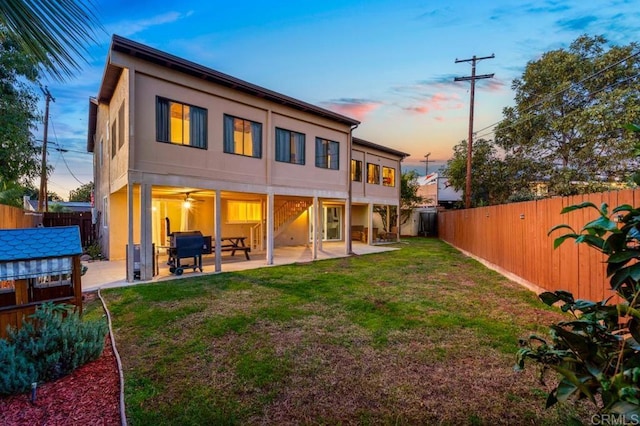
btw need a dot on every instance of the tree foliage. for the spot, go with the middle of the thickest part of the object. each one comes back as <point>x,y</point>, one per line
<point>82,193</point>
<point>18,105</point>
<point>53,35</point>
<point>597,352</point>
<point>571,105</point>
<point>409,198</point>
<point>492,179</point>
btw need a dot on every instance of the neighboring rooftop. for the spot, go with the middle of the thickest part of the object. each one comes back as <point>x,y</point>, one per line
<point>69,206</point>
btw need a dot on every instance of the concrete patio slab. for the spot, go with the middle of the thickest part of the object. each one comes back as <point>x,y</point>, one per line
<point>110,274</point>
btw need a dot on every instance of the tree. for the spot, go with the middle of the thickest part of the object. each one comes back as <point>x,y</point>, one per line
<point>492,179</point>
<point>52,34</point>
<point>18,104</point>
<point>82,193</point>
<point>409,200</point>
<point>570,108</point>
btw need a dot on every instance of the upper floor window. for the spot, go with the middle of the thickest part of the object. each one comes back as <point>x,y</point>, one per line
<point>290,146</point>
<point>114,140</point>
<point>356,170</point>
<point>242,137</point>
<point>373,173</point>
<point>327,154</point>
<point>180,123</point>
<point>388,176</point>
<point>121,126</point>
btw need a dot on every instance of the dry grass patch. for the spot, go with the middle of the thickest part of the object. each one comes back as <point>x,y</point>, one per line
<point>421,335</point>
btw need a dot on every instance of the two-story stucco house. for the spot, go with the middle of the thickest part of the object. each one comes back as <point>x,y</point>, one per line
<point>181,146</point>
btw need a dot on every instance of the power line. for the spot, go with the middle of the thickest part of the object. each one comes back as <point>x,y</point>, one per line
<point>472,78</point>
<point>42,197</point>
<point>62,156</point>
<point>559,92</point>
<point>571,102</point>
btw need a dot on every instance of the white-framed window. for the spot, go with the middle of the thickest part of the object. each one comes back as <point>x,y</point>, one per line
<point>242,137</point>
<point>181,124</point>
<point>327,154</point>
<point>290,146</point>
<point>51,281</point>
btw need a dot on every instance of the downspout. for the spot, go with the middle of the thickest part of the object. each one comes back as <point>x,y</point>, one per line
<point>348,219</point>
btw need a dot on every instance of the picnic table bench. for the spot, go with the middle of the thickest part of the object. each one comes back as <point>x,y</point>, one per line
<point>234,244</point>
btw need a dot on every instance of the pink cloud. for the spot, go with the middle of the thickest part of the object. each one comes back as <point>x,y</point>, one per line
<point>437,102</point>
<point>494,85</point>
<point>356,108</point>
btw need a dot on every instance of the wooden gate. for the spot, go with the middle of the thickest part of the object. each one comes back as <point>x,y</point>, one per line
<point>81,219</point>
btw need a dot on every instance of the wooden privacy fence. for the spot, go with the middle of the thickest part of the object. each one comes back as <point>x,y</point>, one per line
<point>81,219</point>
<point>14,218</point>
<point>514,238</point>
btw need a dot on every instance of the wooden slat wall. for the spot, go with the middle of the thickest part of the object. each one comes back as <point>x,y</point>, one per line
<point>514,238</point>
<point>15,218</point>
<point>81,219</point>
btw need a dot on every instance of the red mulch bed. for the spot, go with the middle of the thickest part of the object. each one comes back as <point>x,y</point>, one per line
<point>88,396</point>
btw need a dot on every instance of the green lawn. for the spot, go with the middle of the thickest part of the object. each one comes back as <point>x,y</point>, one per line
<point>420,335</point>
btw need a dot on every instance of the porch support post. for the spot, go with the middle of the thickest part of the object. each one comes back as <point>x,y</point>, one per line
<point>130,219</point>
<point>398,223</point>
<point>146,240</point>
<point>347,227</point>
<point>218,230</point>
<point>370,222</point>
<point>388,218</point>
<point>270,226</point>
<point>314,235</point>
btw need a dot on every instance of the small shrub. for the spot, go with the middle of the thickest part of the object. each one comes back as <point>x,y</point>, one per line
<point>94,251</point>
<point>53,344</point>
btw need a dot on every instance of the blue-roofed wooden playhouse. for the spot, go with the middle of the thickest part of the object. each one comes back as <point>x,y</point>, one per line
<point>38,265</point>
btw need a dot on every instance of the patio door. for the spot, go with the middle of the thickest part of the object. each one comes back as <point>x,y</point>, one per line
<point>331,223</point>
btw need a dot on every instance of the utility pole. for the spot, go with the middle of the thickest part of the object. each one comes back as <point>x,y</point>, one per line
<point>473,77</point>
<point>43,204</point>
<point>426,161</point>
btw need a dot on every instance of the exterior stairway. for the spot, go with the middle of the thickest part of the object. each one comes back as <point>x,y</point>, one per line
<point>287,213</point>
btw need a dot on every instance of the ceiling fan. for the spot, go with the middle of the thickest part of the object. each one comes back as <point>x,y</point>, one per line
<point>189,200</point>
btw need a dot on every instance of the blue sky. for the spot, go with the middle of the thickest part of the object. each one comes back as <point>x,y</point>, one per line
<point>389,64</point>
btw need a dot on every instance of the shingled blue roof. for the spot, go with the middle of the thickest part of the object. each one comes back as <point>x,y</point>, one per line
<point>39,243</point>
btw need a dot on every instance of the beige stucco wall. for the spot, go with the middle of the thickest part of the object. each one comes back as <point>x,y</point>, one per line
<point>143,160</point>
<point>375,193</point>
<point>159,158</point>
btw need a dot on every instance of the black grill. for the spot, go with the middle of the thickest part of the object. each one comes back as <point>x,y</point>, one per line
<point>183,245</point>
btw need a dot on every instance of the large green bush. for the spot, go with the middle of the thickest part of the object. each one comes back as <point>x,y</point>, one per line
<point>597,351</point>
<point>52,344</point>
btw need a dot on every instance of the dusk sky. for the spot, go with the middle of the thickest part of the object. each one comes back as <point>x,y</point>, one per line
<point>389,64</point>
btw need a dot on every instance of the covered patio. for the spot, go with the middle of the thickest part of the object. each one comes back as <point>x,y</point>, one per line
<point>108,274</point>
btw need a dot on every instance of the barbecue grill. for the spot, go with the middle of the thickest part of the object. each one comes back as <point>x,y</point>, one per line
<point>184,245</point>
